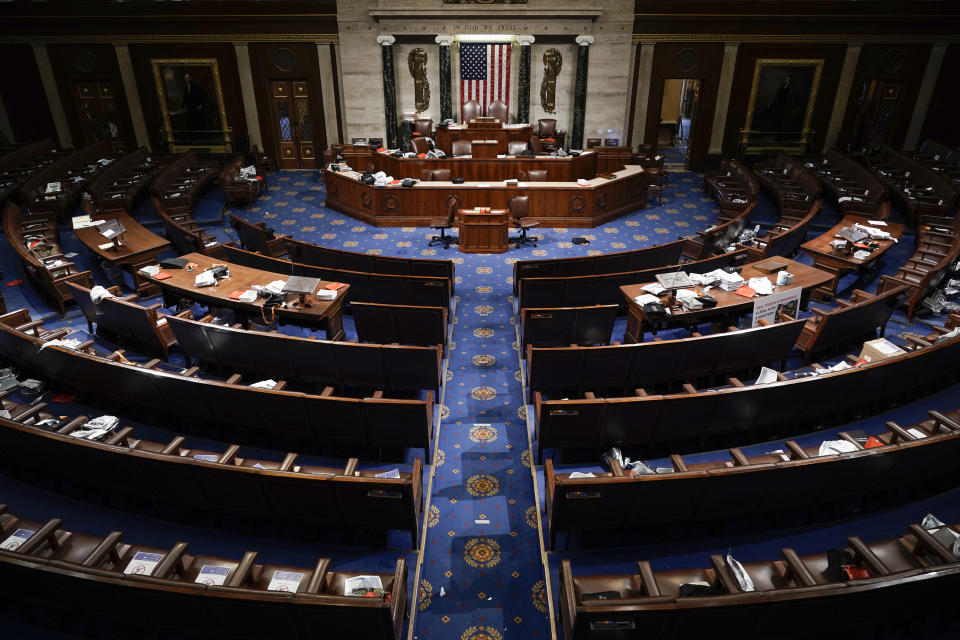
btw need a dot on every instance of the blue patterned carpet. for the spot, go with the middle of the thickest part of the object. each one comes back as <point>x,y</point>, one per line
<point>483,572</point>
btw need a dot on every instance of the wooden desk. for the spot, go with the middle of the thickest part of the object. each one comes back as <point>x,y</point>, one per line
<point>484,149</point>
<point>483,232</point>
<point>446,136</point>
<point>180,284</point>
<point>140,248</point>
<point>552,204</point>
<point>839,262</point>
<point>730,306</point>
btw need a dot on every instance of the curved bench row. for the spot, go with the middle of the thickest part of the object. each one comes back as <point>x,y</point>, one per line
<point>243,412</point>
<point>159,588</point>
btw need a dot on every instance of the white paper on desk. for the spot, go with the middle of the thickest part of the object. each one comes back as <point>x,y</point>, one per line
<point>150,270</point>
<point>877,223</point>
<point>143,563</point>
<point>105,245</point>
<point>205,279</point>
<point>264,384</point>
<point>393,473</point>
<point>206,457</point>
<point>285,581</point>
<point>840,366</point>
<point>831,447</point>
<point>767,375</point>
<point>861,255</point>
<point>654,287</point>
<point>248,296</point>
<point>646,299</point>
<point>762,286</point>
<point>326,294</point>
<point>916,433</point>
<point>688,298</point>
<point>361,582</point>
<point>577,475</point>
<point>211,574</point>
<point>81,222</point>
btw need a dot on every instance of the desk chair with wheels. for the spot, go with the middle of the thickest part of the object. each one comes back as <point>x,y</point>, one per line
<point>419,145</point>
<point>519,210</point>
<point>442,224</point>
<point>516,147</point>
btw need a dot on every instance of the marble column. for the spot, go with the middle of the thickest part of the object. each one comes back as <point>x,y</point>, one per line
<point>389,90</point>
<point>575,141</point>
<point>523,81</point>
<point>843,95</point>
<point>250,112</point>
<point>327,93</point>
<point>644,74</point>
<point>927,87</point>
<point>133,95</point>
<point>53,95</point>
<point>723,97</point>
<point>5,127</point>
<point>446,96</point>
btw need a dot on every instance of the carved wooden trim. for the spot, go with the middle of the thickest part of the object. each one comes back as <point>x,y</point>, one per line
<point>366,199</point>
<point>577,204</point>
<point>602,201</point>
<point>391,202</point>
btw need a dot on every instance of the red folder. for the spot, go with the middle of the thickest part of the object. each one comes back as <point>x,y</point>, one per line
<point>745,291</point>
<point>236,294</point>
<point>873,442</point>
<point>333,286</point>
<point>163,275</point>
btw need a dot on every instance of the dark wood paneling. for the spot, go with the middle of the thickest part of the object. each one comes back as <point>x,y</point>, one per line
<point>105,69</point>
<point>870,67</point>
<point>942,123</point>
<point>225,55</point>
<point>833,17</point>
<point>136,19</point>
<point>707,69</point>
<point>23,95</point>
<point>747,56</point>
<point>306,67</point>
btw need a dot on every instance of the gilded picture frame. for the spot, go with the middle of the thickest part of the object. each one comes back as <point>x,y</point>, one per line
<point>783,95</point>
<point>191,104</point>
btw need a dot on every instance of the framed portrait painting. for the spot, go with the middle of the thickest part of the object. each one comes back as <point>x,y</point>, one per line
<point>783,95</point>
<point>191,103</point>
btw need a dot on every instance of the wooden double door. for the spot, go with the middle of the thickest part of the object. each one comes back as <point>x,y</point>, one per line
<point>293,126</point>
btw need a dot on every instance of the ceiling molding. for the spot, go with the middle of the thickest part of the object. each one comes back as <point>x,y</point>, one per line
<point>178,38</point>
<point>773,37</point>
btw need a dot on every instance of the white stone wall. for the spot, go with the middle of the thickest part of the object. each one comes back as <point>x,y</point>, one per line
<point>608,81</point>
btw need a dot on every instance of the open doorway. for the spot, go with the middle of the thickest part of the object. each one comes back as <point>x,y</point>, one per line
<point>678,120</point>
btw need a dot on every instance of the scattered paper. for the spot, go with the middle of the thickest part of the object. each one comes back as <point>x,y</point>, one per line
<point>916,433</point>
<point>264,384</point>
<point>577,474</point>
<point>831,447</point>
<point>646,299</point>
<point>767,375</point>
<point>877,223</point>
<point>393,473</point>
<point>762,286</point>
<point>206,457</point>
<point>654,287</point>
<point>350,585</point>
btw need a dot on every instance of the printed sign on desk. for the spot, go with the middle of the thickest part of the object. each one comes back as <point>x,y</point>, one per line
<point>769,307</point>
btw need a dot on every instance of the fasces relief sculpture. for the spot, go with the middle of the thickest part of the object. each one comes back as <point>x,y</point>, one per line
<point>417,61</point>
<point>552,62</point>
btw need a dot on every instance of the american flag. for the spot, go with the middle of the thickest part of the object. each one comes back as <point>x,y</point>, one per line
<point>484,73</point>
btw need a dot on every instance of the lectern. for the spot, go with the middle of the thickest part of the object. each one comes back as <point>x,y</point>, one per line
<point>483,230</point>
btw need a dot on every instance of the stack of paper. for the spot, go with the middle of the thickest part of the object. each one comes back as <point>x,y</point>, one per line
<point>730,281</point>
<point>646,299</point>
<point>654,287</point>
<point>688,298</point>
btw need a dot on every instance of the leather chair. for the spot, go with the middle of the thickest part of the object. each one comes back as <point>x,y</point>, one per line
<point>536,146</point>
<point>442,224</point>
<point>461,148</point>
<point>549,135</point>
<point>419,144</point>
<point>520,209</point>
<point>534,175</point>
<point>593,142</point>
<point>423,126</point>
<point>516,147</point>
<point>435,175</point>
<point>498,110</point>
<point>470,110</point>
